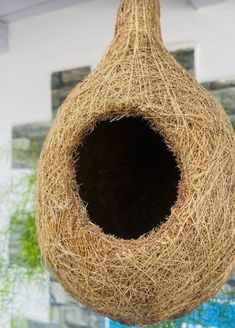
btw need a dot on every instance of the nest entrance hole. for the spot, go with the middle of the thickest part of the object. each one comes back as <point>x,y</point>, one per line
<point>127,176</point>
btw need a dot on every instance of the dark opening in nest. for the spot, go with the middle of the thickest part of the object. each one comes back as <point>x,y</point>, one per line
<point>128,177</point>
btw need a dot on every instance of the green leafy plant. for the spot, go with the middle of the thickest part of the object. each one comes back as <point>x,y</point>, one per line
<point>19,323</point>
<point>24,249</point>
<point>22,264</point>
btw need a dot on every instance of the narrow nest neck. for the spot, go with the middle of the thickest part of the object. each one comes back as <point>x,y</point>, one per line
<point>127,176</point>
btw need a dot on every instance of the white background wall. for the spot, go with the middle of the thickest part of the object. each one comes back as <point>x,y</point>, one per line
<point>78,36</point>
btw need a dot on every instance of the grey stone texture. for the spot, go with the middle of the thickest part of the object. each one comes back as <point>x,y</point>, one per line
<point>21,323</point>
<point>186,57</point>
<point>224,92</point>
<point>231,281</point>
<point>69,313</point>
<point>27,142</point>
<point>63,82</point>
<point>74,76</point>
<point>37,324</point>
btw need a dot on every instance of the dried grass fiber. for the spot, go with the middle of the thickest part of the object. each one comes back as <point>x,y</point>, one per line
<point>185,261</point>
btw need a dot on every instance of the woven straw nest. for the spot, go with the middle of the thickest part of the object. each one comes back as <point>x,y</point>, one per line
<point>181,261</point>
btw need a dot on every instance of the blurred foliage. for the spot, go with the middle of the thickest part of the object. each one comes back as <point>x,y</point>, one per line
<point>18,323</point>
<point>22,264</point>
<point>23,232</point>
<point>27,157</point>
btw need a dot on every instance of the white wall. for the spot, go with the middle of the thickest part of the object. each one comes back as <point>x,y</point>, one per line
<point>79,35</point>
<point>211,29</point>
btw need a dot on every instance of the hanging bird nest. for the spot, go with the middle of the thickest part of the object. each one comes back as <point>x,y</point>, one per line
<point>135,195</point>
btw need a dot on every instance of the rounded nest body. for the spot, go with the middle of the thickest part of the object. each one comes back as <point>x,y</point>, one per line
<point>175,267</point>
